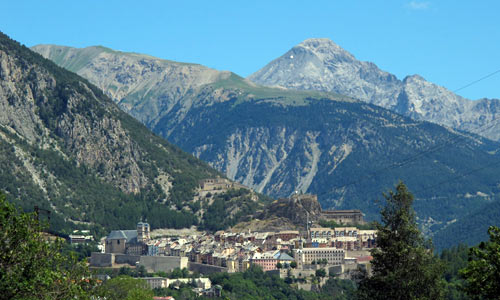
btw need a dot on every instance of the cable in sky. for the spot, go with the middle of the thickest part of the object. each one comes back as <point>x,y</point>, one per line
<point>474,82</point>
<point>438,147</point>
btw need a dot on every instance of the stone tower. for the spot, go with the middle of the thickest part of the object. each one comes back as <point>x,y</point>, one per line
<point>143,232</point>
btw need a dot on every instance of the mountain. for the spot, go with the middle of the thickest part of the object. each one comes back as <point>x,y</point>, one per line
<point>279,141</point>
<point>322,65</point>
<point>68,148</point>
<point>129,78</point>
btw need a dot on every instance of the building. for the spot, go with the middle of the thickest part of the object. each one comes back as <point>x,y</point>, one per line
<point>128,241</point>
<point>201,282</point>
<point>118,241</point>
<point>287,235</point>
<point>80,239</point>
<point>321,233</point>
<point>268,260</point>
<point>213,184</point>
<point>352,216</point>
<point>367,238</point>
<point>153,248</point>
<point>346,242</point>
<point>346,231</point>
<point>155,282</point>
<point>160,282</point>
<point>306,256</point>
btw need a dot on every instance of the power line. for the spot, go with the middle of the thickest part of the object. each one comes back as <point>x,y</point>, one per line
<point>458,177</point>
<point>449,141</point>
<point>476,81</point>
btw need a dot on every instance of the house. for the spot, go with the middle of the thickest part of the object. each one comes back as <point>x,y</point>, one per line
<point>80,239</point>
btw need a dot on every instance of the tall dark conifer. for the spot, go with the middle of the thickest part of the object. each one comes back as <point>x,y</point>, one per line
<point>403,265</point>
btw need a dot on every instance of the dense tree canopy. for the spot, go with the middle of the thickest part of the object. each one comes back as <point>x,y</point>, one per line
<point>125,287</point>
<point>482,274</point>
<point>403,265</point>
<point>31,267</point>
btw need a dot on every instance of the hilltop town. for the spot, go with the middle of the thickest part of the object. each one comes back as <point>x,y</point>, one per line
<point>295,254</point>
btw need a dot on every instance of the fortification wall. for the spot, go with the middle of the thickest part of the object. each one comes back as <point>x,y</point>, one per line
<point>126,259</point>
<point>98,259</point>
<point>205,269</point>
<point>163,263</point>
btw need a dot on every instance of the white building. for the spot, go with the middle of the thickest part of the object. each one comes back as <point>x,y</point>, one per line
<point>160,282</point>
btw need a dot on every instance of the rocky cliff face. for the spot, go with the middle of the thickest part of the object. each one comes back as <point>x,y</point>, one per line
<point>96,139</point>
<point>320,64</point>
<point>298,209</point>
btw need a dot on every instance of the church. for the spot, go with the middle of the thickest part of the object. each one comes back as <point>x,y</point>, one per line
<point>131,242</point>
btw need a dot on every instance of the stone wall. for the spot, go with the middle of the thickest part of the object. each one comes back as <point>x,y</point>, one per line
<point>126,259</point>
<point>163,263</point>
<point>205,269</point>
<point>98,259</point>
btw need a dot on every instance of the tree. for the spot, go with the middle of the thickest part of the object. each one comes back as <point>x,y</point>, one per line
<point>293,264</point>
<point>32,267</point>
<point>320,273</point>
<point>482,274</point>
<point>125,287</point>
<point>279,265</point>
<point>141,271</point>
<point>339,289</point>
<point>403,265</point>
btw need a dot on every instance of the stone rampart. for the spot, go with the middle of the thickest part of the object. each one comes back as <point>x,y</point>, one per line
<point>205,269</point>
<point>163,263</point>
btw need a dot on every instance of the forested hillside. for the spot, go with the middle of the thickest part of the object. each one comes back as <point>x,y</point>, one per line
<point>67,148</point>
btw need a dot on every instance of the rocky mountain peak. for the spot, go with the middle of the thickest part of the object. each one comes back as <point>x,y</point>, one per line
<point>326,49</point>
<point>320,64</point>
<point>414,79</point>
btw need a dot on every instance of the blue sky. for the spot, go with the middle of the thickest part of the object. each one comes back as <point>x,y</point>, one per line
<point>451,43</point>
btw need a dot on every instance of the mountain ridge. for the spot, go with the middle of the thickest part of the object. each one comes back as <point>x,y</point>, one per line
<point>320,64</point>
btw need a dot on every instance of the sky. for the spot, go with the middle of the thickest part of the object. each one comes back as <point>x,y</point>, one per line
<point>451,43</point>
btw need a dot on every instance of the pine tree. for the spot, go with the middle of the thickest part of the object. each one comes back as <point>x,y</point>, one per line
<point>482,274</point>
<point>403,265</point>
